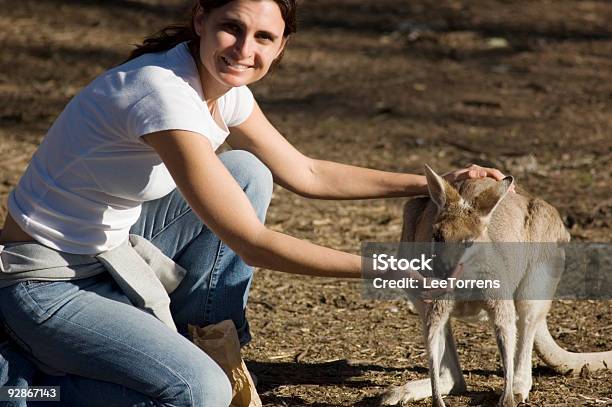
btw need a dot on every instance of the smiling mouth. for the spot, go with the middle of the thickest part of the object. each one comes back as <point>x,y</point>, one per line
<point>235,65</point>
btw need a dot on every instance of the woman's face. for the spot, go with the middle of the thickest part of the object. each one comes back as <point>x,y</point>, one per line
<point>239,41</point>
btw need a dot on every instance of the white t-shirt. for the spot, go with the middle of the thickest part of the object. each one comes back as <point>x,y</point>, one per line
<point>84,187</point>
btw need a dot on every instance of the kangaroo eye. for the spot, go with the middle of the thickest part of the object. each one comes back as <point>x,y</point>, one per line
<point>437,236</point>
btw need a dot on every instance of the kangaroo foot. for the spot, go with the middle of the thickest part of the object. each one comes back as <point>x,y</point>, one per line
<point>417,390</point>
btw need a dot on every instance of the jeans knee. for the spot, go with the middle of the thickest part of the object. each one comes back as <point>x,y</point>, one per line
<point>252,175</point>
<point>202,385</point>
<point>215,391</point>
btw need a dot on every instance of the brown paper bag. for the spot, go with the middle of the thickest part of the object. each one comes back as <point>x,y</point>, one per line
<point>220,342</point>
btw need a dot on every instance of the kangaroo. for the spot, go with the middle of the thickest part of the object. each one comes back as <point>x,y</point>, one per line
<point>484,211</point>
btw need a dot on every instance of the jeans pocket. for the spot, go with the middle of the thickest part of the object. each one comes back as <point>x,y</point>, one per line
<point>34,284</point>
<point>45,297</point>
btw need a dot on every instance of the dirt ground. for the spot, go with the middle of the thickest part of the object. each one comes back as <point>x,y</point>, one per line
<point>523,85</point>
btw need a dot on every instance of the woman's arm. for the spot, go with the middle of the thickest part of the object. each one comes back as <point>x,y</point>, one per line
<point>211,191</point>
<point>317,178</point>
<point>325,179</point>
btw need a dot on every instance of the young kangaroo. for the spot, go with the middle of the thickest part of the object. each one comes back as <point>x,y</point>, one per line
<point>485,211</point>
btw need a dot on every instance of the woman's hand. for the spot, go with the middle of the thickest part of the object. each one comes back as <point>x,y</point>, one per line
<point>473,171</point>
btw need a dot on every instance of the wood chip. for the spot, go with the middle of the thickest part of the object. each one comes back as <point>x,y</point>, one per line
<point>300,356</point>
<point>281,356</point>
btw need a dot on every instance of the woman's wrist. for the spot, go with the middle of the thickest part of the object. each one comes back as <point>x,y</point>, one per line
<point>417,186</point>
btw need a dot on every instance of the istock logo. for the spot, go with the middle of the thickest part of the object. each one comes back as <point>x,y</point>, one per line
<point>385,262</point>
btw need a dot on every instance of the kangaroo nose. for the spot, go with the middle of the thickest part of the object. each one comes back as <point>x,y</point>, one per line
<point>437,237</point>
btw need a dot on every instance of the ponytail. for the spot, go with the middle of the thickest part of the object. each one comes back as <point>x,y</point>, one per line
<point>167,38</point>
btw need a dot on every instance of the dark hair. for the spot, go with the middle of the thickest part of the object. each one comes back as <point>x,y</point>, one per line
<point>171,35</point>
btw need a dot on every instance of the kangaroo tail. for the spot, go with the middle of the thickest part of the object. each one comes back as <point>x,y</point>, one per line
<point>564,361</point>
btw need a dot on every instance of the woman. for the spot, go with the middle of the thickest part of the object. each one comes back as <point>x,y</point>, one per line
<point>134,152</point>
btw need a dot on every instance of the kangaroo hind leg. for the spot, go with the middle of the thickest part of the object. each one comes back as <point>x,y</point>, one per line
<point>451,379</point>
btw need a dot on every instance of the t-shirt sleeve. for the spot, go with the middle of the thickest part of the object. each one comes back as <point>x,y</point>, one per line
<point>238,106</point>
<point>169,108</point>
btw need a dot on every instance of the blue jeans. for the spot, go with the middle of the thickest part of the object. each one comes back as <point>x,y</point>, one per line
<point>115,354</point>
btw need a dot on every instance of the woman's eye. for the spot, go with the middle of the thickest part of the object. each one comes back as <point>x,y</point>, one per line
<point>232,28</point>
<point>264,37</point>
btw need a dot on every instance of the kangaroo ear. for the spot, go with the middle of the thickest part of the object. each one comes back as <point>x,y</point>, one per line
<point>487,200</point>
<point>436,186</point>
